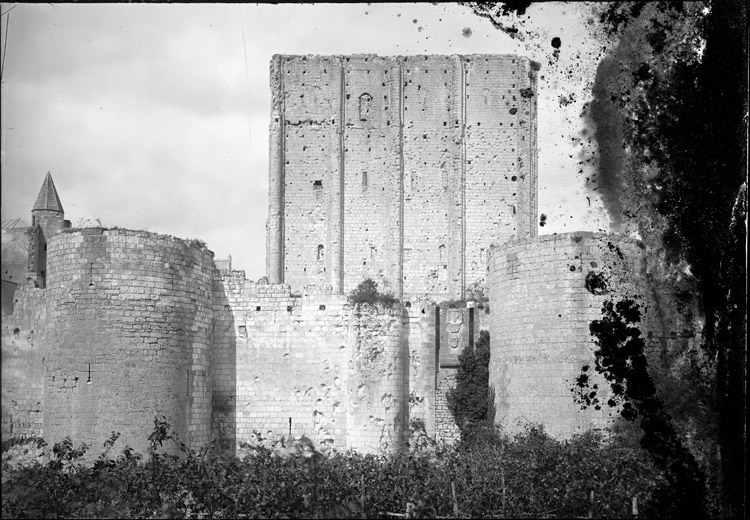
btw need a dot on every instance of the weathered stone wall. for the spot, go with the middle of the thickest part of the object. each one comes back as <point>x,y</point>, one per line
<point>400,169</point>
<point>371,175</point>
<point>23,334</point>
<point>420,335</point>
<point>377,400</point>
<point>336,372</point>
<point>280,357</point>
<point>446,428</point>
<point>541,310</point>
<point>129,332</point>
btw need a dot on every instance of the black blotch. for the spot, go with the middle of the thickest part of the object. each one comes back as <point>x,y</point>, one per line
<point>596,284</point>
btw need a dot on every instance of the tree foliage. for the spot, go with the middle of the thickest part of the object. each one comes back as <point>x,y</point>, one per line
<point>367,293</point>
<point>469,401</point>
<point>676,83</point>
<point>667,125</point>
<point>620,358</point>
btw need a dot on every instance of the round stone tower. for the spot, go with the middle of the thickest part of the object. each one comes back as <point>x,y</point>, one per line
<point>130,322</point>
<point>544,293</point>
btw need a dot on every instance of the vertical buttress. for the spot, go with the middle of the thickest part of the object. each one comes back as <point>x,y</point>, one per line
<point>336,224</point>
<point>275,231</point>
<point>399,285</point>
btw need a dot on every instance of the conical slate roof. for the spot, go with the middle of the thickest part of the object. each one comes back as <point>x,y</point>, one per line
<point>48,198</point>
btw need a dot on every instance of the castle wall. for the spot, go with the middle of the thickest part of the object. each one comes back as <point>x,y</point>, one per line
<point>377,404</point>
<point>371,172</point>
<point>539,324</point>
<point>289,362</point>
<point>399,169</point>
<point>433,166</point>
<point>500,136</point>
<point>23,334</point>
<point>129,331</point>
<point>310,365</point>
<point>420,334</point>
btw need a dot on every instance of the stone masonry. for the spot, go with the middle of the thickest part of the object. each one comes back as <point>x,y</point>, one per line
<point>553,294</point>
<point>418,172</point>
<point>400,169</point>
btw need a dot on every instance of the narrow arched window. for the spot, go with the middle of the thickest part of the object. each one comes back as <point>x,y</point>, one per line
<point>364,181</point>
<point>441,251</point>
<point>321,252</point>
<point>365,105</point>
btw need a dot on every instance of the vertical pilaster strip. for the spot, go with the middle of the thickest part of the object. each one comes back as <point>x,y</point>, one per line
<point>275,224</point>
<point>336,194</point>
<point>462,277</point>
<point>457,187</point>
<point>533,159</point>
<point>399,285</point>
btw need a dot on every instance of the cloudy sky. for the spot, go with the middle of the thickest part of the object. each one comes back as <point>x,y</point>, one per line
<point>156,117</point>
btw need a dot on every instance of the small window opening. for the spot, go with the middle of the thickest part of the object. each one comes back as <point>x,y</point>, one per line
<point>317,184</point>
<point>321,252</point>
<point>365,105</point>
<point>364,181</point>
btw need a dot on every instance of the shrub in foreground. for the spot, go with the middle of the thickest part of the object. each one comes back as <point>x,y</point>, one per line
<point>489,474</point>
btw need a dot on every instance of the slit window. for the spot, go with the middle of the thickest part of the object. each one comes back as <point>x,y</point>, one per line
<point>321,252</point>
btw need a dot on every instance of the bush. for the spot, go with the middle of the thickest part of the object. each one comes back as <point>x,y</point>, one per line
<point>529,475</point>
<point>367,293</point>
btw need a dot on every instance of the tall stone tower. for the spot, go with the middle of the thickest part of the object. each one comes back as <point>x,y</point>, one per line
<point>47,219</point>
<point>400,169</point>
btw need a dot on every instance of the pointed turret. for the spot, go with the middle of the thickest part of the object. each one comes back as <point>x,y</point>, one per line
<point>48,199</point>
<point>47,219</point>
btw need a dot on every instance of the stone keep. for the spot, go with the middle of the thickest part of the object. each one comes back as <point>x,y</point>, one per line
<point>418,172</point>
<point>400,169</point>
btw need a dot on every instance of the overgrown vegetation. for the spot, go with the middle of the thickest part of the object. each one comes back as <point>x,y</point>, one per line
<point>620,358</point>
<point>469,401</point>
<point>529,475</point>
<point>367,293</point>
<point>666,133</point>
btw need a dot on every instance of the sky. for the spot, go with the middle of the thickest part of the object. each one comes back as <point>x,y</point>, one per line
<point>155,116</point>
